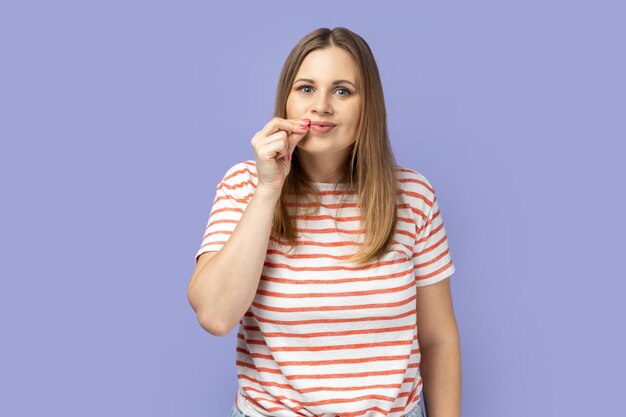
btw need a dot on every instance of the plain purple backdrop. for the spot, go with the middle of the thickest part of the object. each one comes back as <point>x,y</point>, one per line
<point>118,119</point>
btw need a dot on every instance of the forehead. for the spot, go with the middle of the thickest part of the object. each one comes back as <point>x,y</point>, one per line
<point>328,64</point>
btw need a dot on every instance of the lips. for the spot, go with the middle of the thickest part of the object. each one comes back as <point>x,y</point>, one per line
<point>321,123</point>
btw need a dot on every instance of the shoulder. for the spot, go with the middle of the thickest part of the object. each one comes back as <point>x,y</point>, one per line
<point>415,188</point>
<point>241,177</point>
<point>240,170</point>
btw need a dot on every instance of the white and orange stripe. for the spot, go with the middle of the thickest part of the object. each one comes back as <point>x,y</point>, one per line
<point>324,338</point>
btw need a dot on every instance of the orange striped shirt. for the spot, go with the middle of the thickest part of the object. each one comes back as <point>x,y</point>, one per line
<point>323,338</point>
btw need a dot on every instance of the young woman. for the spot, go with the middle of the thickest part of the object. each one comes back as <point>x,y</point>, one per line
<point>331,258</point>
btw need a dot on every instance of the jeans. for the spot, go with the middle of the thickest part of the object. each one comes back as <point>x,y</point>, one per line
<point>235,412</point>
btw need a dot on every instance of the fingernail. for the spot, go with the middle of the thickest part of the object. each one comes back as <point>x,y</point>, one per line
<point>304,126</point>
<point>288,157</point>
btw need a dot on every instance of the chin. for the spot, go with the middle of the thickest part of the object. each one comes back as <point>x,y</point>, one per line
<point>321,149</point>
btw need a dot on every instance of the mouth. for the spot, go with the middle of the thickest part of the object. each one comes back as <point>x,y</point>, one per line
<point>319,126</point>
<point>321,123</point>
<point>321,129</point>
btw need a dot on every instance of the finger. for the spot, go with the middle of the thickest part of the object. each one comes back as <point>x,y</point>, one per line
<point>280,135</point>
<point>275,149</point>
<point>288,125</point>
<point>281,139</point>
<point>293,140</point>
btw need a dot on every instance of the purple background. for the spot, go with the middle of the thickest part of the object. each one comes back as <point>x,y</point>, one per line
<point>118,119</point>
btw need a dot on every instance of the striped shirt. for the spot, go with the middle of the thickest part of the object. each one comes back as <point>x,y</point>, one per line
<point>323,338</point>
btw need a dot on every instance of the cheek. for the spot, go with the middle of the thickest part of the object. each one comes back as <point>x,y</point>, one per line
<point>292,106</point>
<point>355,120</point>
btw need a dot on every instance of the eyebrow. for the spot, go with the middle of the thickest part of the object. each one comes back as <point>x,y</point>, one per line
<point>308,80</point>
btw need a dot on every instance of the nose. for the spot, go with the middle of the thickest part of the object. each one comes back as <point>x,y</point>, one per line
<point>321,105</point>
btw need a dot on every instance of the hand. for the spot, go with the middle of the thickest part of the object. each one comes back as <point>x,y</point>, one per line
<point>273,146</point>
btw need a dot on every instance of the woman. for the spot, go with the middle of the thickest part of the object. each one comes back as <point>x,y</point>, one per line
<point>329,256</point>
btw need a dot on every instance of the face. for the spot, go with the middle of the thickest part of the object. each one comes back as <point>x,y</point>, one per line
<point>326,88</point>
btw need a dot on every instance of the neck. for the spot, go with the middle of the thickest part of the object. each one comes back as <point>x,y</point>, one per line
<point>322,168</point>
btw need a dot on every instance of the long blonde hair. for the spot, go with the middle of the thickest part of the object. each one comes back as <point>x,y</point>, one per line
<point>370,168</point>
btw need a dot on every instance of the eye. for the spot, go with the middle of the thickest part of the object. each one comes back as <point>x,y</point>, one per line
<point>347,92</point>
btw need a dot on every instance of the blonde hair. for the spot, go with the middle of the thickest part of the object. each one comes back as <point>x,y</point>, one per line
<point>370,167</point>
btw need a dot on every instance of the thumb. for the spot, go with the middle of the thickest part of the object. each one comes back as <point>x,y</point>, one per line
<point>293,140</point>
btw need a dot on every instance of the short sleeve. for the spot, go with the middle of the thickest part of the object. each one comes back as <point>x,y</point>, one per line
<point>231,199</point>
<point>432,261</point>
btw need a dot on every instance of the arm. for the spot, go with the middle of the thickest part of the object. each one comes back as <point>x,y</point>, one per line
<point>222,289</point>
<point>439,343</point>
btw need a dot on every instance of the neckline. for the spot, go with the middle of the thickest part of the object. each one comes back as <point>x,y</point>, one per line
<point>330,186</point>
